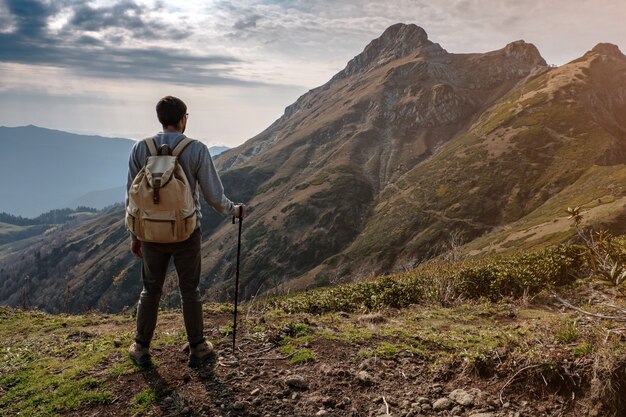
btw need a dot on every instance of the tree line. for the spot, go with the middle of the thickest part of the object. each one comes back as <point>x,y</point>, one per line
<point>56,216</point>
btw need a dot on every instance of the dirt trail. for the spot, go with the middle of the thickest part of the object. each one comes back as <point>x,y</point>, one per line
<point>259,381</point>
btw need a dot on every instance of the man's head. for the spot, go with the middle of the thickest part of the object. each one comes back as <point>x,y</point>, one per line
<point>172,113</point>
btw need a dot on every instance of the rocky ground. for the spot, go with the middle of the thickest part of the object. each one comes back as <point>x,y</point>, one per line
<point>476,360</point>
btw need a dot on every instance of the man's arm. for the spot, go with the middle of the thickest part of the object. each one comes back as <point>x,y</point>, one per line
<point>133,169</point>
<point>211,185</point>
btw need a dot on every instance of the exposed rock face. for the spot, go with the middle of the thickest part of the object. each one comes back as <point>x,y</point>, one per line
<point>396,42</point>
<point>608,49</point>
<point>524,52</point>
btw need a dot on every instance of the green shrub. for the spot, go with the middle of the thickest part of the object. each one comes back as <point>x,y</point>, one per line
<point>522,274</point>
<point>492,278</point>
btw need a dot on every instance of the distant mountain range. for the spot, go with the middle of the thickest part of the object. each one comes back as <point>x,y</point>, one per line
<point>61,170</point>
<point>408,150</point>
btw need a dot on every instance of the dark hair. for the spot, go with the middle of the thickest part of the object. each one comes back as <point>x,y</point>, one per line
<point>170,110</point>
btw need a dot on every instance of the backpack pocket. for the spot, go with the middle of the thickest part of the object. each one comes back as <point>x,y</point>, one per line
<point>132,221</point>
<point>159,226</point>
<point>188,222</point>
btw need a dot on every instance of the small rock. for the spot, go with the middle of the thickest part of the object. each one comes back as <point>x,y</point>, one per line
<point>364,378</point>
<point>457,410</point>
<point>296,381</point>
<point>328,402</point>
<point>366,364</point>
<point>342,373</point>
<point>295,396</point>
<point>423,400</point>
<point>186,411</point>
<point>168,400</point>
<point>442,404</point>
<point>238,405</point>
<point>257,401</point>
<point>325,369</point>
<point>482,415</point>
<point>462,397</point>
<point>321,412</point>
<point>255,391</point>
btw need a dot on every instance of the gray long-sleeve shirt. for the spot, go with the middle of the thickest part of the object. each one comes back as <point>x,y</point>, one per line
<point>198,166</point>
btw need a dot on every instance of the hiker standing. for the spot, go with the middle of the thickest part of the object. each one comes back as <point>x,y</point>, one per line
<point>166,173</point>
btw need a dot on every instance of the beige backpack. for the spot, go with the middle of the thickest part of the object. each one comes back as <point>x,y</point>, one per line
<point>160,207</point>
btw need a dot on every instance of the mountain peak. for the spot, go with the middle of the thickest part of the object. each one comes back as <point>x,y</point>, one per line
<point>524,51</point>
<point>396,41</point>
<point>402,34</point>
<point>608,49</point>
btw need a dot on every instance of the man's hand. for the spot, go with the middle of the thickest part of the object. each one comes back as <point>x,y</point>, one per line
<point>241,211</point>
<point>135,248</point>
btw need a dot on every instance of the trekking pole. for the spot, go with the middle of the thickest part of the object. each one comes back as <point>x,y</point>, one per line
<point>237,278</point>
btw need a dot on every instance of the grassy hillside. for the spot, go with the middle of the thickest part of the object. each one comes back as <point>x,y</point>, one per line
<point>473,337</point>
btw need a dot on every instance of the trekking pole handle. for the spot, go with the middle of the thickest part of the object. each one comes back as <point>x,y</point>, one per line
<point>240,216</point>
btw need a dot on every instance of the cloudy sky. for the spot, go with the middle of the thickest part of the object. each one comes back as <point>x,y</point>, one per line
<point>99,66</point>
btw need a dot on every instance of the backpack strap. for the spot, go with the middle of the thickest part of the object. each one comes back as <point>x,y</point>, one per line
<point>151,144</point>
<point>180,146</point>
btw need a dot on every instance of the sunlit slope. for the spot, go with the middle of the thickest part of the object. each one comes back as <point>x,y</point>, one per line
<point>557,140</point>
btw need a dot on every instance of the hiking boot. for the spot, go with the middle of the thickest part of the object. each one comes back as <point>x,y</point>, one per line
<point>200,354</point>
<point>140,355</point>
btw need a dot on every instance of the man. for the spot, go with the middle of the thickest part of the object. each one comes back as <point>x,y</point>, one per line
<point>198,167</point>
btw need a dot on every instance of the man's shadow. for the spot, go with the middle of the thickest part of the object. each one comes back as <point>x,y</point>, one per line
<point>168,400</point>
<point>219,392</point>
